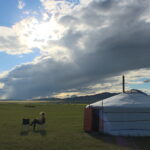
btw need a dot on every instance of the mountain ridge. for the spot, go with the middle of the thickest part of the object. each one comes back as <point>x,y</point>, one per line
<point>79,99</point>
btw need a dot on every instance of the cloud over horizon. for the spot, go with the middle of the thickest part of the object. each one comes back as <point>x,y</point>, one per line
<point>96,42</point>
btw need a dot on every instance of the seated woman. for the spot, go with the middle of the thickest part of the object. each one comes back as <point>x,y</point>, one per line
<point>41,120</point>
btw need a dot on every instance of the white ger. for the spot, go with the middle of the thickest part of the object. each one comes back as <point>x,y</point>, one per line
<point>126,114</point>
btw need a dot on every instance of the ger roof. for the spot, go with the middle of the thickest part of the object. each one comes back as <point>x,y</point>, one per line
<point>125,100</point>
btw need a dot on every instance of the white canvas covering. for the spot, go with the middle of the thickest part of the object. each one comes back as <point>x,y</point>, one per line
<point>125,114</point>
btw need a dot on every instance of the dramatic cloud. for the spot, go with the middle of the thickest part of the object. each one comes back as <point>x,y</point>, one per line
<point>98,41</point>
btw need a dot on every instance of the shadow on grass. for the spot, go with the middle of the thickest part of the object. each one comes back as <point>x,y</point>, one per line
<point>41,132</point>
<point>135,143</point>
<point>24,133</point>
<point>103,137</point>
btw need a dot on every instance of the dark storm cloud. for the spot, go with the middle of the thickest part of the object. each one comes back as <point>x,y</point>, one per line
<point>115,39</point>
<point>42,79</point>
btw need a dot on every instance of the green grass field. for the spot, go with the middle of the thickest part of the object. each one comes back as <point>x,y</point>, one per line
<point>63,130</point>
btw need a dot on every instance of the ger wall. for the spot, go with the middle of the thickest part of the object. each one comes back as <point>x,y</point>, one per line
<point>126,121</point>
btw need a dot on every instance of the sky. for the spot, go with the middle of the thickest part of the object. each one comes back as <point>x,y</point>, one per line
<point>64,48</point>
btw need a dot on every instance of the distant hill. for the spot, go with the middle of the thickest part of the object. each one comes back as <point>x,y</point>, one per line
<point>80,99</point>
<point>90,98</point>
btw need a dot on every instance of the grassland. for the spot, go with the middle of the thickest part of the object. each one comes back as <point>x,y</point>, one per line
<point>63,131</point>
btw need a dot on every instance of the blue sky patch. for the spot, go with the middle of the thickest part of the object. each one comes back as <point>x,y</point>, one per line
<point>7,61</point>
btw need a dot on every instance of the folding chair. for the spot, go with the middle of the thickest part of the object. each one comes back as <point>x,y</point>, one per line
<point>25,124</point>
